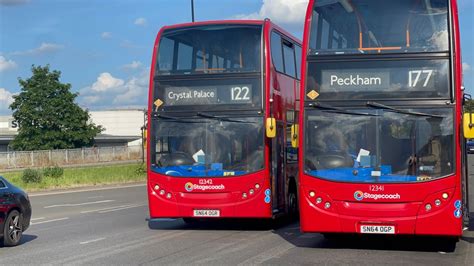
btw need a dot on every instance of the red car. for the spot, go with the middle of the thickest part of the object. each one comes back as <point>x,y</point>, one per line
<point>15,213</point>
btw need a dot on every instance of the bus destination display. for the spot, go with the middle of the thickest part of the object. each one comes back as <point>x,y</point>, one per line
<point>395,79</point>
<point>208,95</point>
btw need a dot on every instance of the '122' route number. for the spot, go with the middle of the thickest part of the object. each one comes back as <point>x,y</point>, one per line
<point>240,94</point>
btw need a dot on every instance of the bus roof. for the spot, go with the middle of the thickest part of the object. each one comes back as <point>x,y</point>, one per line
<point>230,22</point>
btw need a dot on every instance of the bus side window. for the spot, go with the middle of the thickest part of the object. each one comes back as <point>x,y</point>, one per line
<point>289,58</point>
<point>277,55</point>
<point>298,61</point>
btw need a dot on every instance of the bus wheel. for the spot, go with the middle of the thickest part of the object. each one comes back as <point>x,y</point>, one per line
<point>292,202</point>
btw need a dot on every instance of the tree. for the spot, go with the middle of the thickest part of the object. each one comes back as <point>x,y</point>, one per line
<point>47,115</point>
<point>469,106</point>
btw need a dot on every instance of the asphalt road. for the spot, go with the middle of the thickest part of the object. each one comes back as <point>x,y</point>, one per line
<point>107,226</point>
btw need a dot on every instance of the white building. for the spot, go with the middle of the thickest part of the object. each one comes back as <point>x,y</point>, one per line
<point>121,127</point>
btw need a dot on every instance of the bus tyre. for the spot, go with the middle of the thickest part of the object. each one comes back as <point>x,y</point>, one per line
<point>292,202</point>
<point>13,229</point>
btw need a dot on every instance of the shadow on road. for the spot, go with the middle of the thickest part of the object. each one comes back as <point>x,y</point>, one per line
<point>221,224</point>
<point>24,239</point>
<point>366,242</point>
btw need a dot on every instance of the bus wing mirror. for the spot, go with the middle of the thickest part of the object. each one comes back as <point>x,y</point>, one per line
<point>294,136</point>
<point>468,127</point>
<point>271,127</point>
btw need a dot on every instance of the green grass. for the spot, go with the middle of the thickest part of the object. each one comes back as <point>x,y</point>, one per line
<point>86,176</point>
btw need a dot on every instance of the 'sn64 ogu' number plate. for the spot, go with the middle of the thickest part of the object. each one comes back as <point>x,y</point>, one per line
<point>206,213</point>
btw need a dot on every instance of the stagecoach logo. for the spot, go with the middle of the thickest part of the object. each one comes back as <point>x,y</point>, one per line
<point>359,195</point>
<point>190,187</point>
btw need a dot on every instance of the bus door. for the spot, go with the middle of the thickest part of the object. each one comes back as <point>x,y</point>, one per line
<point>278,170</point>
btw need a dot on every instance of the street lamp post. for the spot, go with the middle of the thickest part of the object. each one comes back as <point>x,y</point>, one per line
<point>192,9</point>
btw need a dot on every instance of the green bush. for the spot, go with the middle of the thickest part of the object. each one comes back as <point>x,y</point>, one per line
<point>53,172</point>
<point>31,176</point>
<point>141,169</point>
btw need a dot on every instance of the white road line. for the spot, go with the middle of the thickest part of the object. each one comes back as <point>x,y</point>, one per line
<point>108,208</point>
<point>77,204</point>
<point>119,209</point>
<point>36,219</point>
<point>49,221</point>
<point>92,241</point>
<point>84,190</point>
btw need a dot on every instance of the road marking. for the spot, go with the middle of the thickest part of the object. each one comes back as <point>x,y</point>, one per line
<point>49,221</point>
<point>95,197</point>
<point>77,204</point>
<point>84,190</point>
<point>36,219</point>
<point>108,208</point>
<point>124,208</point>
<point>92,241</point>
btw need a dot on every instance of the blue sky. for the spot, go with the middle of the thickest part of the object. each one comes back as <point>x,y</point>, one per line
<point>103,47</point>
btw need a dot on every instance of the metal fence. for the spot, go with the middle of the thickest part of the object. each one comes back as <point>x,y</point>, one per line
<point>25,159</point>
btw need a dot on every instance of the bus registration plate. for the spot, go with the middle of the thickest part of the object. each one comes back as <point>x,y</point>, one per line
<point>207,213</point>
<point>377,229</point>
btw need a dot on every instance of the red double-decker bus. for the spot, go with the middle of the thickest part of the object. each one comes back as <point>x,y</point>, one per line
<point>222,103</point>
<point>382,150</point>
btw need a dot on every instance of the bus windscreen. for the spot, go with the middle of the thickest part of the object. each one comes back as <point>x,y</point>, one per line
<point>374,26</point>
<point>210,49</point>
<point>379,146</point>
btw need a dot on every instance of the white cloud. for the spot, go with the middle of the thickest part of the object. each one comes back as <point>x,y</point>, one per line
<point>106,82</point>
<point>13,2</point>
<point>42,49</point>
<point>140,22</point>
<point>6,98</point>
<point>6,64</point>
<point>132,66</point>
<point>110,92</point>
<point>106,35</point>
<point>466,67</point>
<point>290,13</point>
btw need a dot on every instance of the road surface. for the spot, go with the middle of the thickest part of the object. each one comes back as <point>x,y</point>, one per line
<point>107,226</point>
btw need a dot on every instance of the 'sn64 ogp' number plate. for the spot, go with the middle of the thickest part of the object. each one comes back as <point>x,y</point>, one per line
<point>377,229</point>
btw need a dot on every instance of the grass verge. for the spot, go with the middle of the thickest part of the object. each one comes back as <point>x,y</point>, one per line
<point>84,176</point>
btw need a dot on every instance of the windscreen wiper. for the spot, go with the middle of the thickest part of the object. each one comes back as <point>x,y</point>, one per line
<point>400,111</point>
<point>172,118</point>
<point>220,118</point>
<point>339,110</point>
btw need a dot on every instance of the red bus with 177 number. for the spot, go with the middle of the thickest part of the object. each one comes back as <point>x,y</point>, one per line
<point>381,119</point>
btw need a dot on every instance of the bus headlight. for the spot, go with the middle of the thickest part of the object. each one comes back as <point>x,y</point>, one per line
<point>157,187</point>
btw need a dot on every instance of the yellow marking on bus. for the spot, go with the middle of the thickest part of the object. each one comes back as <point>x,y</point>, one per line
<point>313,94</point>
